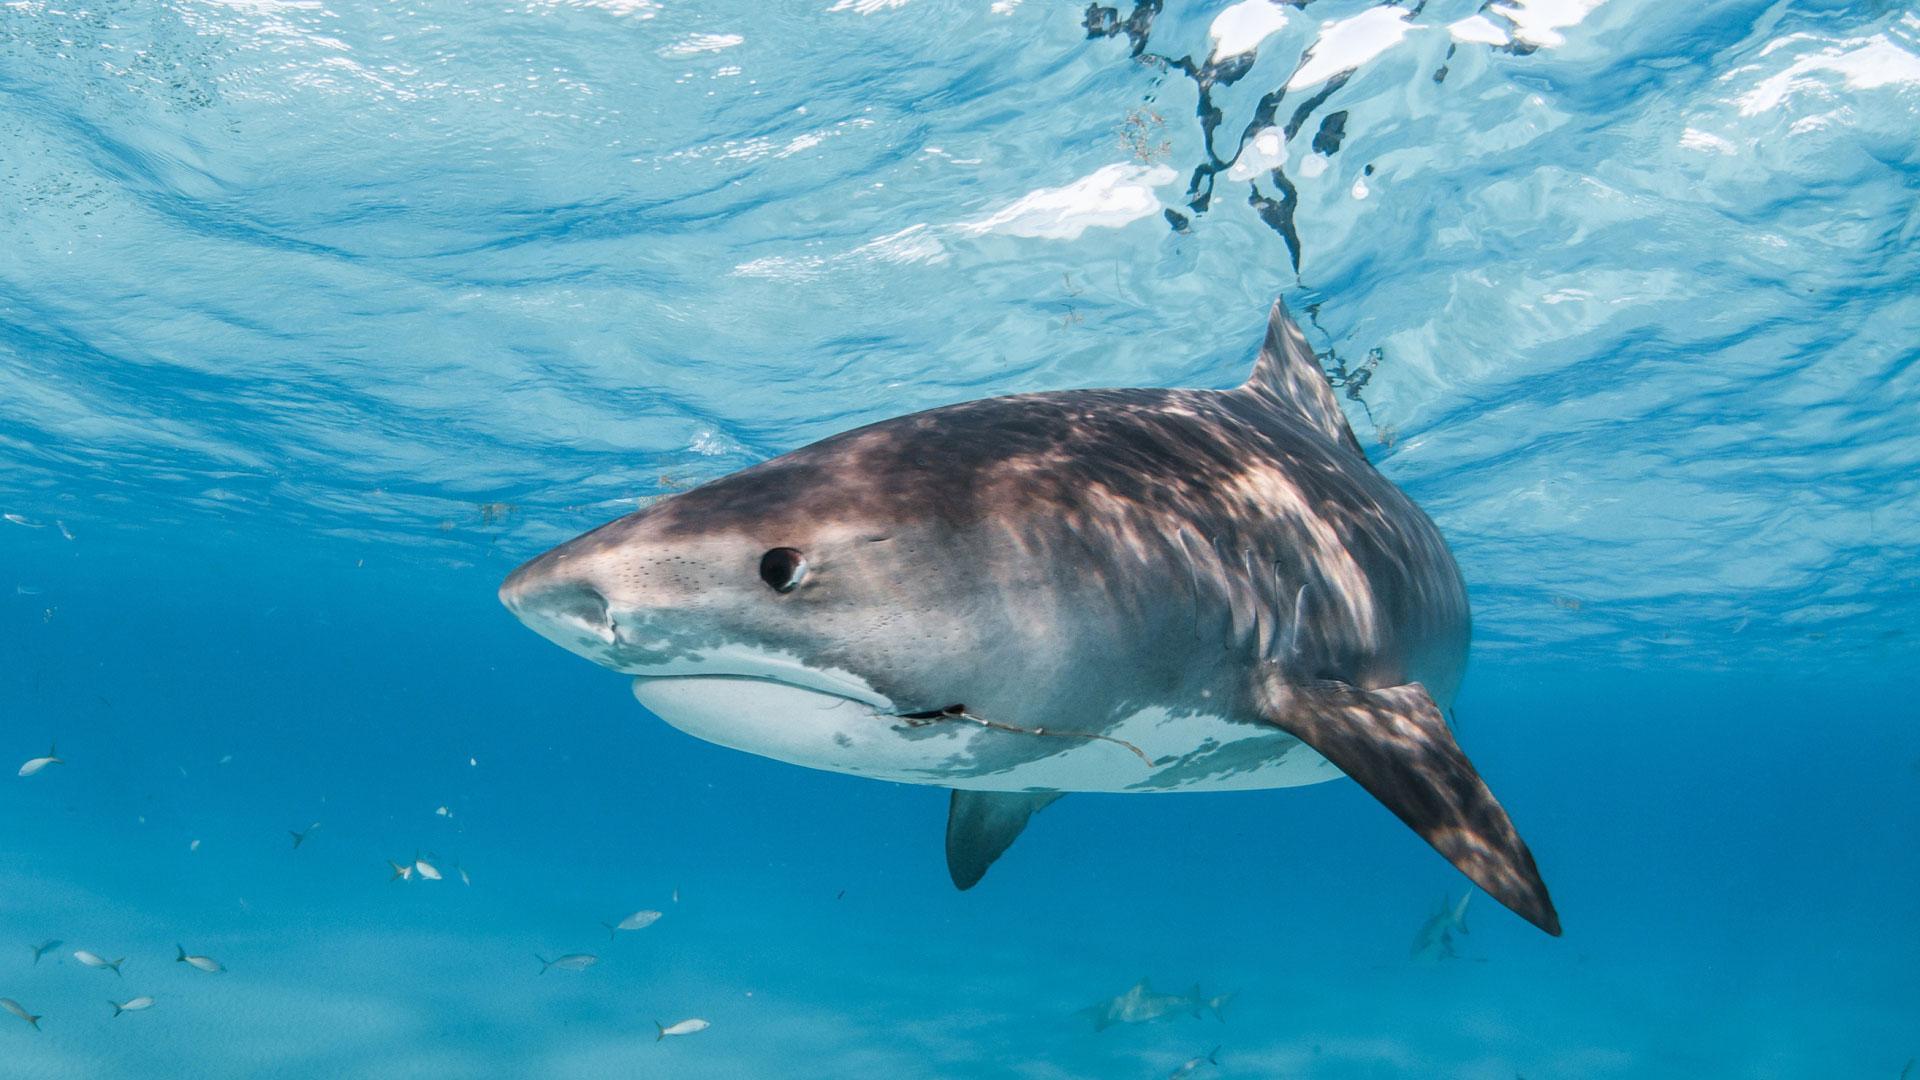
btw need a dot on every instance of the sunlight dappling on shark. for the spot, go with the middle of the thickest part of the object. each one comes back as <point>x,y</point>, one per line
<point>1129,590</point>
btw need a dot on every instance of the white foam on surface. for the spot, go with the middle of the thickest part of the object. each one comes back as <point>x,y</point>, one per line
<point>914,244</point>
<point>867,7</point>
<point>1695,139</point>
<point>1539,22</point>
<point>639,9</point>
<point>1479,29</point>
<point>1345,44</point>
<point>1863,63</point>
<point>1267,150</point>
<point>1108,198</point>
<point>1241,28</point>
<point>695,44</point>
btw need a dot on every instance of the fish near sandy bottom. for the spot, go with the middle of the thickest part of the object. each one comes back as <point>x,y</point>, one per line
<point>1128,590</point>
<point>1142,1005</point>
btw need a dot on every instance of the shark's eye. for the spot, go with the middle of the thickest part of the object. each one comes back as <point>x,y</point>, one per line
<point>783,569</point>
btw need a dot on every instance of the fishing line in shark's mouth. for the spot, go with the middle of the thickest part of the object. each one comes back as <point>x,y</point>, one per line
<point>959,712</point>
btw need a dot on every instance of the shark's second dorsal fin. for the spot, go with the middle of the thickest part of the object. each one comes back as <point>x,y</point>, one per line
<point>1290,377</point>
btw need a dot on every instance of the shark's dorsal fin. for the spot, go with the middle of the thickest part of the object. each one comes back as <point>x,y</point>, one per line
<point>1289,376</point>
<point>983,824</point>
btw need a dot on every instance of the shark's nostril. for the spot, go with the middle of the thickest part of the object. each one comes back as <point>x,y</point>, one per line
<point>576,602</point>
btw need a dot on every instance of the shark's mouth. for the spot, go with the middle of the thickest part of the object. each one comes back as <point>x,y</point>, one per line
<point>741,662</point>
<point>824,687</point>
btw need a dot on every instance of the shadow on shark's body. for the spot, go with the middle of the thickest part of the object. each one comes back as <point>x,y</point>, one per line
<point>1132,590</point>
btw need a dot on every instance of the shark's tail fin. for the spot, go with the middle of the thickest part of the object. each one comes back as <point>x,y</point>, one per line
<point>544,963</point>
<point>116,965</point>
<point>182,951</point>
<point>117,1010</point>
<point>1213,1056</point>
<point>1217,1005</point>
<point>610,932</point>
<point>400,873</point>
<point>35,1021</point>
<point>661,1028</point>
<point>1196,1000</point>
<point>1460,911</point>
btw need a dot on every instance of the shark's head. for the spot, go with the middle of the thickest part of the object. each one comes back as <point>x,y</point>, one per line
<point>807,609</point>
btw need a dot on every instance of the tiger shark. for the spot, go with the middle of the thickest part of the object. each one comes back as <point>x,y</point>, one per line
<point>1117,590</point>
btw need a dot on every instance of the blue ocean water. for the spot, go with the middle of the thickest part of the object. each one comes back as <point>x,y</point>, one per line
<point>316,318</point>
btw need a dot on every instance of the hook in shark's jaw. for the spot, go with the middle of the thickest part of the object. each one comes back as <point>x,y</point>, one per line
<point>959,712</point>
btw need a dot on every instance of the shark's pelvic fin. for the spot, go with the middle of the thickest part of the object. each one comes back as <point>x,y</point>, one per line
<point>1395,743</point>
<point>1290,376</point>
<point>983,824</point>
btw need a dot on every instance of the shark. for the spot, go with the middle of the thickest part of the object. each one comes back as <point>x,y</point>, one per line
<point>1436,935</point>
<point>1135,590</point>
<point>1141,1004</point>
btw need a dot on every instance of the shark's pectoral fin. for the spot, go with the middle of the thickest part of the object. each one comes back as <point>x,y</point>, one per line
<point>983,824</point>
<point>1395,743</point>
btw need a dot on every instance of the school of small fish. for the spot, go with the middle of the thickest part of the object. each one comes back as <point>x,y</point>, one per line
<point>1138,1005</point>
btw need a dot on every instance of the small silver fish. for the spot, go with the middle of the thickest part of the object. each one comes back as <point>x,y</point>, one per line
<point>34,765</point>
<point>684,1027</point>
<point>1192,1065</point>
<point>95,960</point>
<point>639,920</point>
<point>578,961</point>
<point>20,1011</point>
<point>44,947</point>
<point>18,520</point>
<point>464,879</point>
<point>132,1005</point>
<point>426,870</point>
<point>205,963</point>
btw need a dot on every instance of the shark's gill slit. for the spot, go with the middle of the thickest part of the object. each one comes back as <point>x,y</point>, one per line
<point>959,712</point>
<point>1193,576</point>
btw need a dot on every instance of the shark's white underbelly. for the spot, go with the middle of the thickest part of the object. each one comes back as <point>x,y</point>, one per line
<point>1188,751</point>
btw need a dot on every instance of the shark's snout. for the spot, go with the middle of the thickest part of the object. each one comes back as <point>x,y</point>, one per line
<point>563,607</point>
